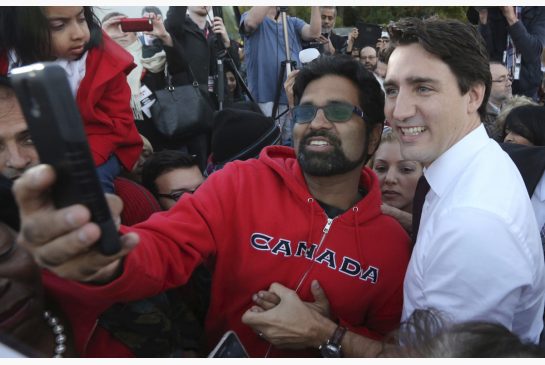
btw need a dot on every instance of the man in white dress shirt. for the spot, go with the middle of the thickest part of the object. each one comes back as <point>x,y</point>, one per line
<point>478,251</point>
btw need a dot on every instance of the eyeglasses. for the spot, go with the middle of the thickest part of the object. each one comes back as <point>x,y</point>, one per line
<point>334,112</point>
<point>176,194</point>
<point>504,79</point>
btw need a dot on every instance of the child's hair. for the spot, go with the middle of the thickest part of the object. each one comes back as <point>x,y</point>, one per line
<point>25,30</point>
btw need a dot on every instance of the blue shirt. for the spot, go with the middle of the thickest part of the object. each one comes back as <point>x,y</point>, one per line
<point>264,50</point>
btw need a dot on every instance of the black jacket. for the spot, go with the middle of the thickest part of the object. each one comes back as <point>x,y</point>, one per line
<point>529,160</point>
<point>528,35</point>
<point>191,46</point>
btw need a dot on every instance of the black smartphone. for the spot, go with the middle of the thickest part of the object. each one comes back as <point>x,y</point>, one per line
<point>56,129</point>
<point>368,35</point>
<point>229,346</point>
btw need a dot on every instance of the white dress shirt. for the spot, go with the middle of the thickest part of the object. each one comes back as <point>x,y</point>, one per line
<point>478,255</point>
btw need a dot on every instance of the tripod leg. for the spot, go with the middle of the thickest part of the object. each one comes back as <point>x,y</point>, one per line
<point>278,89</point>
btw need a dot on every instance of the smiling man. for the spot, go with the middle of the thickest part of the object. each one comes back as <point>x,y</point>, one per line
<point>298,217</point>
<point>478,253</point>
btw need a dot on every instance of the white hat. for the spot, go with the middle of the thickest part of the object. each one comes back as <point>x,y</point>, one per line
<point>308,55</point>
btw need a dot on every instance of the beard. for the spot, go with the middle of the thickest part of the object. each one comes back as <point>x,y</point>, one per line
<point>326,163</point>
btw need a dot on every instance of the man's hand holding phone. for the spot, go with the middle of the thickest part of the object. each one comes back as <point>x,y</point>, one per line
<point>326,41</point>
<point>62,240</point>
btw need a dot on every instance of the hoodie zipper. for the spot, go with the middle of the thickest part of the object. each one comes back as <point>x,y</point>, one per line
<point>325,232</point>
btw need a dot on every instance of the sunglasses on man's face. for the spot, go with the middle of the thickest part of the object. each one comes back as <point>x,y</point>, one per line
<point>334,112</point>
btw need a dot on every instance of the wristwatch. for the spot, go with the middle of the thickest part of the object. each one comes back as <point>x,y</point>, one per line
<point>332,348</point>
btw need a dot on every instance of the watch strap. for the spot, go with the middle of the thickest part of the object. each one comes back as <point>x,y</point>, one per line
<point>337,336</point>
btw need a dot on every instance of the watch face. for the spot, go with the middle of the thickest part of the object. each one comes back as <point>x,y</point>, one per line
<point>330,350</point>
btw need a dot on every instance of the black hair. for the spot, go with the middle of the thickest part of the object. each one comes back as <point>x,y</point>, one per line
<point>25,30</point>
<point>384,54</point>
<point>237,94</point>
<point>151,9</point>
<point>527,121</point>
<point>457,44</point>
<point>160,163</point>
<point>370,94</point>
<point>428,333</point>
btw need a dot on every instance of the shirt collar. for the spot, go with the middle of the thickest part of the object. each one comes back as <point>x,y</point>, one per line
<point>447,167</point>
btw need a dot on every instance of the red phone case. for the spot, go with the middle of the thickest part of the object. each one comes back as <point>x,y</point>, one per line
<point>136,24</point>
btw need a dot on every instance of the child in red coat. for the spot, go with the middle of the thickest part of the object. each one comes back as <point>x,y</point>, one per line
<point>97,71</point>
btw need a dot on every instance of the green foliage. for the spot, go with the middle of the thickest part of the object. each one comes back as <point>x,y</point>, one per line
<point>348,15</point>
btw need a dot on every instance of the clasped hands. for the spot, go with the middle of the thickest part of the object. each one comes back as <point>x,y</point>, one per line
<point>283,319</point>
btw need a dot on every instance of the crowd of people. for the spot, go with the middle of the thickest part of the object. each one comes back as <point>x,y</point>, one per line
<point>381,200</point>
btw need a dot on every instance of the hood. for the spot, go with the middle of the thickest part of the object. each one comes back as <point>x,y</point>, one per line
<point>283,161</point>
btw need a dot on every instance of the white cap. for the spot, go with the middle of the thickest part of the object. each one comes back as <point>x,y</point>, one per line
<point>308,55</point>
<point>384,35</point>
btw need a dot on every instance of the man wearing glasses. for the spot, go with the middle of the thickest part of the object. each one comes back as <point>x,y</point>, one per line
<point>500,92</point>
<point>169,174</point>
<point>368,56</point>
<point>308,218</point>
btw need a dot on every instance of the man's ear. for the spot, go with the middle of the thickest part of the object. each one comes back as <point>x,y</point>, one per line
<point>374,139</point>
<point>476,95</point>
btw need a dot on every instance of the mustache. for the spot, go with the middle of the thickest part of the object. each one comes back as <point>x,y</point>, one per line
<point>333,139</point>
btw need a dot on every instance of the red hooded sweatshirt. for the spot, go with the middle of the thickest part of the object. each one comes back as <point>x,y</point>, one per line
<point>255,223</point>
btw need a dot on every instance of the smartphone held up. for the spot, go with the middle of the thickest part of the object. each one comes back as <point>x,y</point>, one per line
<point>56,129</point>
<point>136,25</point>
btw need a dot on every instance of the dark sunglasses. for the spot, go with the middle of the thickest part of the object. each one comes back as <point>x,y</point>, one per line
<point>176,194</point>
<point>334,112</point>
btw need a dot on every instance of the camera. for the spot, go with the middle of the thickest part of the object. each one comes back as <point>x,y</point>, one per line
<point>325,35</point>
<point>136,24</point>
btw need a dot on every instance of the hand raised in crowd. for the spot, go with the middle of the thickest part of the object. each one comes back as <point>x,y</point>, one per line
<point>509,14</point>
<point>159,30</point>
<point>288,86</point>
<point>328,46</point>
<point>291,323</point>
<point>353,36</point>
<point>61,240</point>
<point>112,26</point>
<point>483,16</point>
<point>351,39</point>
<point>219,28</point>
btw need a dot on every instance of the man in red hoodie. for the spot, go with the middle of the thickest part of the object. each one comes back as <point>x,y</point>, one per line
<point>296,217</point>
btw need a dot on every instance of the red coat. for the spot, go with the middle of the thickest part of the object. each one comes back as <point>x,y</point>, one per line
<point>103,99</point>
<point>104,102</point>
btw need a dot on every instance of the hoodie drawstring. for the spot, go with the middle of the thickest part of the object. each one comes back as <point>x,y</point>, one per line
<point>355,210</point>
